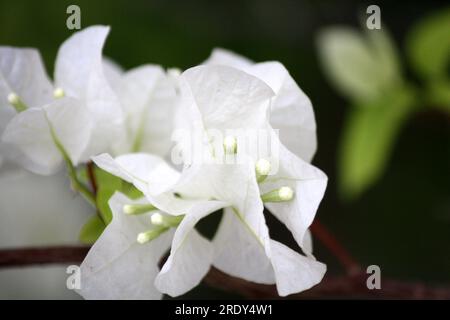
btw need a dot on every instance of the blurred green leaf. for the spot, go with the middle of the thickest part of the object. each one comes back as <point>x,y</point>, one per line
<point>439,94</point>
<point>91,230</point>
<point>368,138</point>
<point>428,45</point>
<point>361,66</point>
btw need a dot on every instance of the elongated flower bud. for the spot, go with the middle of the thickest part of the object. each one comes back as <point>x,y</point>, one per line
<point>16,102</point>
<point>59,93</point>
<point>279,195</point>
<point>262,168</point>
<point>150,235</point>
<point>230,145</point>
<point>133,209</point>
<point>166,220</point>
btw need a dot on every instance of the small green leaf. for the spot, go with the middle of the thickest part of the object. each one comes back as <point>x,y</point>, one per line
<point>104,193</point>
<point>428,45</point>
<point>91,230</point>
<point>107,185</point>
<point>130,191</point>
<point>104,178</point>
<point>368,138</point>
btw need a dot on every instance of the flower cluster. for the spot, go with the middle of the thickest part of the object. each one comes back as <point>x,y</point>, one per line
<point>125,122</point>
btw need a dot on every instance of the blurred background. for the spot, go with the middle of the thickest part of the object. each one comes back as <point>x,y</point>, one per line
<point>400,222</point>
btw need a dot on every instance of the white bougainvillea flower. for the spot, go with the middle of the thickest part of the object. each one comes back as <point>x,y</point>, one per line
<point>79,113</point>
<point>291,110</point>
<point>242,246</point>
<point>289,102</point>
<point>123,263</point>
<point>148,99</point>
<point>234,187</point>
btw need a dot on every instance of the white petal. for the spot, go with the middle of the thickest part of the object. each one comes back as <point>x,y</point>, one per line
<point>148,98</point>
<point>225,57</point>
<point>113,72</point>
<point>22,72</point>
<point>149,173</point>
<point>72,125</point>
<point>224,97</point>
<point>294,272</point>
<point>78,59</point>
<point>191,254</point>
<point>291,110</point>
<point>117,267</point>
<point>29,132</point>
<point>79,72</point>
<point>309,184</point>
<point>238,253</point>
<point>307,243</point>
<point>232,183</point>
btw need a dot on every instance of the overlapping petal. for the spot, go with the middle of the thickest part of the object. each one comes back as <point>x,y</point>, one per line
<point>117,266</point>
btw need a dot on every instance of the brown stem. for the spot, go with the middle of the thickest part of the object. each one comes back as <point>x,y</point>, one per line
<point>90,168</point>
<point>331,287</point>
<point>335,247</point>
<point>91,177</point>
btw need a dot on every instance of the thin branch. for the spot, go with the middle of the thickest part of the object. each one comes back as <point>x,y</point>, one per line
<point>45,255</point>
<point>90,168</point>
<point>350,264</point>
<point>91,176</point>
<point>331,286</point>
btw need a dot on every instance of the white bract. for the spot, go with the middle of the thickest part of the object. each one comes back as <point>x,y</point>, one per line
<point>220,108</point>
<point>290,110</point>
<point>79,113</point>
<point>148,98</point>
<point>123,263</point>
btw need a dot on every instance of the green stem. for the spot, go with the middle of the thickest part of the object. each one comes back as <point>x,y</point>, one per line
<point>76,184</point>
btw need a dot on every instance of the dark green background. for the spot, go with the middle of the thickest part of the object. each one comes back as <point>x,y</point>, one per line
<point>403,223</point>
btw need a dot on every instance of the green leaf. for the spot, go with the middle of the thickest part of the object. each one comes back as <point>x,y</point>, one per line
<point>91,230</point>
<point>107,185</point>
<point>104,193</point>
<point>439,95</point>
<point>130,191</point>
<point>104,178</point>
<point>362,66</point>
<point>368,139</point>
<point>428,45</point>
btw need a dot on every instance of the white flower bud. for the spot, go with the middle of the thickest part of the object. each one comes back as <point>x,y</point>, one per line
<point>133,209</point>
<point>13,98</point>
<point>278,195</point>
<point>286,193</point>
<point>58,93</point>
<point>157,219</point>
<point>263,167</point>
<point>230,144</point>
<point>16,102</point>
